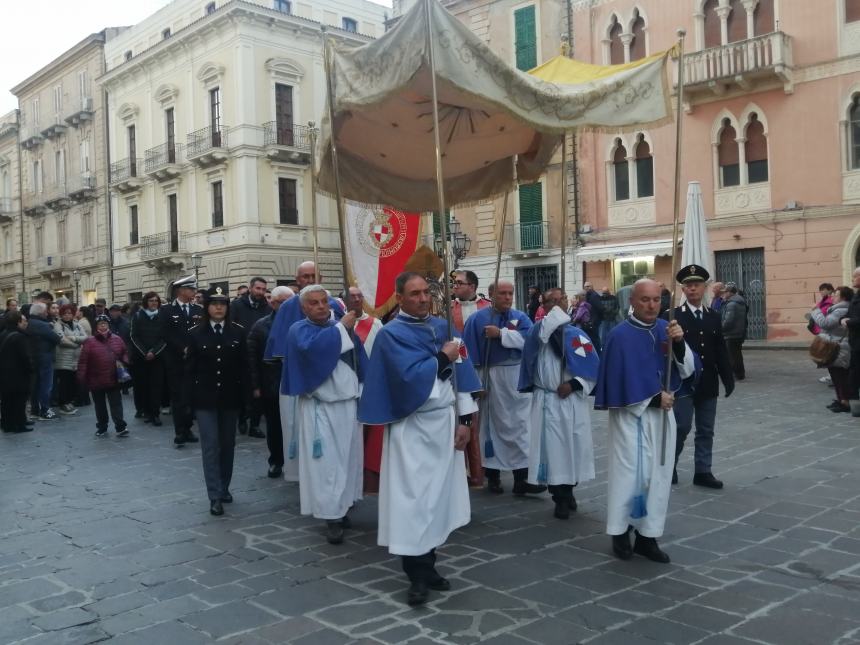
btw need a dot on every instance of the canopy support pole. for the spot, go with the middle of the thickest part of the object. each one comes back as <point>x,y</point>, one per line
<point>676,213</point>
<point>486,362</point>
<point>440,191</point>
<point>312,133</point>
<point>563,242</point>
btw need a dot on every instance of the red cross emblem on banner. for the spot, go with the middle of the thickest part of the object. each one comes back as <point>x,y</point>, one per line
<point>382,232</point>
<point>581,346</point>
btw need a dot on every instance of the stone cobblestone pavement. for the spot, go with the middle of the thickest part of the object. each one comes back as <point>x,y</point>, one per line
<point>111,539</point>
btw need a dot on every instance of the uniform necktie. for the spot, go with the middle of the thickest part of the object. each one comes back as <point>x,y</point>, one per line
<point>218,328</point>
<point>698,314</point>
<point>185,310</point>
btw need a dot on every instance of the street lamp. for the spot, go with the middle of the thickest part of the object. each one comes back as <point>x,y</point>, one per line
<point>460,242</point>
<point>76,278</point>
<point>196,263</point>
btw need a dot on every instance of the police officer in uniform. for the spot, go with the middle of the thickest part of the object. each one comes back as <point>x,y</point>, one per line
<point>177,318</point>
<point>215,374</point>
<point>704,335</point>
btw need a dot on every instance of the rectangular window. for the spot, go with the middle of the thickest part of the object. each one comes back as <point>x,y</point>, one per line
<point>284,114</point>
<point>61,235</point>
<point>645,177</point>
<point>132,151</point>
<point>37,176</point>
<point>621,180</point>
<point>35,112</point>
<point>173,222</point>
<point>84,148</point>
<point>210,8</point>
<point>40,241</point>
<point>531,216</point>
<point>525,38</point>
<point>287,207</point>
<point>171,135</point>
<point>83,87</point>
<point>217,205</point>
<point>282,5</point>
<point>86,230</point>
<point>215,116</point>
<point>349,24</point>
<point>133,236</point>
<point>59,167</point>
<point>58,100</point>
<point>730,175</point>
<point>757,171</point>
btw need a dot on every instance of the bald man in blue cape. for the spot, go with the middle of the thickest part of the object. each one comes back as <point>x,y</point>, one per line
<point>410,388</point>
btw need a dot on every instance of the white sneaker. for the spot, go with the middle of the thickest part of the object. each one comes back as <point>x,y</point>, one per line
<point>825,379</point>
<point>68,408</point>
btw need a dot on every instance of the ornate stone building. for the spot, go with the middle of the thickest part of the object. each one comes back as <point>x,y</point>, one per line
<point>11,268</point>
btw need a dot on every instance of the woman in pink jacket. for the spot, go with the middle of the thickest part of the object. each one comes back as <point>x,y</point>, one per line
<point>101,355</point>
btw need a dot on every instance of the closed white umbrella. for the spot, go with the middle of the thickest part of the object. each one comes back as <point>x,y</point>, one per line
<point>697,249</point>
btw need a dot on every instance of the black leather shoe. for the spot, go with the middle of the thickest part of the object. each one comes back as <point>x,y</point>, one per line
<point>243,427</point>
<point>156,421</point>
<point>227,499</point>
<point>139,415</point>
<point>345,522</point>
<point>562,510</point>
<point>621,546</point>
<point>275,471</point>
<point>256,433</point>
<point>571,503</point>
<point>215,507</point>
<point>179,440</point>
<point>523,488</point>
<point>334,534</point>
<point>190,437</point>
<point>674,475</point>
<point>707,480</point>
<point>417,594</point>
<point>494,486</point>
<point>439,584</point>
<point>648,548</point>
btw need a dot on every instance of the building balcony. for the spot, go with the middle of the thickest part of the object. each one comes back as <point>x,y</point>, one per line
<point>208,146</point>
<point>164,162</point>
<point>34,203</point>
<point>85,112</point>
<point>746,65</point>
<point>31,137</point>
<point>56,197</point>
<point>164,250</point>
<point>527,238</point>
<point>290,144</point>
<point>50,264</point>
<point>9,127</point>
<point>82,188</point>
<point>8,208</point>
<point>125,175</point>
<point>55,129</point>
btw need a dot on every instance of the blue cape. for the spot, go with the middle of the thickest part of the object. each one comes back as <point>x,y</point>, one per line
<point>476,342</point>
<point>289,314</point>
<point>312,354</point>
<point>402,370</point>
<point>633,365</point>
<point>585,367</point>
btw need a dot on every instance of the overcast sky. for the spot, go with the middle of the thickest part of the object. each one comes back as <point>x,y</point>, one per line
<point>34,33</point>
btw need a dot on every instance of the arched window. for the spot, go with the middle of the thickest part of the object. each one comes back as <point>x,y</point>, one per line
<point>644,168</point>
<point>620,172</point>
<point>616,47</point>
<point>713,33</point>
<point>756,150</point>
<point>763,17</point>
<point>854,132</point>
<point>729,159</point>
<point>637,45</point>
<point>737,22</point>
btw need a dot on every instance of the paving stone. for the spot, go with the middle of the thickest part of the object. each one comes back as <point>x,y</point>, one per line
<point>61,601</point>
<point>665,631</point>
<point>229,619</point>
<point>308,597</point>
<point>27,591</point>
<point>172,631</point>
<point>66,618</point>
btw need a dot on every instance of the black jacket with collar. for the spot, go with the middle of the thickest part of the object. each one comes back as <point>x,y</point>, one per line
<point>264,375</point>
<point>175,327</point>
<point>243,311</point>
<point>216,367</point>
<point>705,338</point>
<point>146,334</point>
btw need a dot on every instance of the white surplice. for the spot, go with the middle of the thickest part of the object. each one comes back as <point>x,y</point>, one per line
<point>290,435</point>
<point>506,413</point>
<point>423,492</point>
<point>560,428</point>
<point>630,429</point>
<point>331,483</point>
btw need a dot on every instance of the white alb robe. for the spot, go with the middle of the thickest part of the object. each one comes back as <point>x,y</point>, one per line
<point>289,432</point>
<point>506,413</point>
<point>560,428</point>
<point>329,485</point>
<point>423,492</point>
<point>625,426</point>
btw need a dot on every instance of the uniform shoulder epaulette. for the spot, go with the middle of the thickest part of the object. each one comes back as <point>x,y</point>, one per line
<point>232,322</point>
<point>190,329</point>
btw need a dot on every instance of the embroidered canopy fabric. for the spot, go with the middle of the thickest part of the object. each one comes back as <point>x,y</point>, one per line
<point>490,113</point>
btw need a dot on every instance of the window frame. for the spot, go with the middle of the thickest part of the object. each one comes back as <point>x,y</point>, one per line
<point>281,210</point>
<point>133,225</point>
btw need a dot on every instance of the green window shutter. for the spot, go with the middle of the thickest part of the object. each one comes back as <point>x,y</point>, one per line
<point>531,216</point>
<point>525,38</point>
<point>437,221</point>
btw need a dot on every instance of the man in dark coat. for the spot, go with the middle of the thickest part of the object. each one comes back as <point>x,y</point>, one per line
<point>852,322</point>
<point>703,334</point>
<point>593,298</point>
<point>734,316</point>
<point>177,318</point>
<point>246,310</point>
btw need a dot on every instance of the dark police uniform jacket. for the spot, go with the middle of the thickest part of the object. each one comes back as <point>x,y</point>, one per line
<point>706,339</point>
<point>175,327</point>
<point>216,367</point>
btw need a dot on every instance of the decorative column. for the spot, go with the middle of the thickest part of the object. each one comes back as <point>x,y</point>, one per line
<point>723,12</point>
<point>626,39</point>
<point>742,160</point>
<point>750,6</point>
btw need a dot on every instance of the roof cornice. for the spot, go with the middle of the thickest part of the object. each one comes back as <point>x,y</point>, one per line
<point>96,39</point>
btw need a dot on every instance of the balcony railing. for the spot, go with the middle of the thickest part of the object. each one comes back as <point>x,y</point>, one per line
<point>6,206</point>
<point>34,203</point>
<point>164,155</point>
<point>82,187</point>
<point>124,170</point>
<point>83,112</point>
<point>162,245</point>
<point>50,264</point>
<point>292,135</point>
<point>526,236</point>
<point>56,197</point>
<point>206,140</point>
<point>31,137</point>
<point>740,63</point>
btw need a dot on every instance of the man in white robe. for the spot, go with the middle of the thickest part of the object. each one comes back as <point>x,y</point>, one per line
<point>410,387</point>
<point>631,386</point>
<point>561,451</point>
<point>321,366</point>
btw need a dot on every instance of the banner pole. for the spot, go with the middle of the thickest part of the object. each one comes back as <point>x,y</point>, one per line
<point>312,133</point>
<point>564,225</point>
<point>667,377</point>
<point>486,363</point>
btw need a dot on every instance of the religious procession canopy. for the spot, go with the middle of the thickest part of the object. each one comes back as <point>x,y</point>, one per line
<point>491,114</point>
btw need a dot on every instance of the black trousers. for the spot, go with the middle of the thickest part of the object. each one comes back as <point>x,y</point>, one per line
<point>561,492</point>
<point>102,399</point>
<point>148,379</point>
<point>420,567</point>
<point>67,386</point>
<point>217,446</point>
<point>274,438</point>
<point>520,474</point>
<point>13,410</point>
<point>736,357</point>
<point>180,409</point>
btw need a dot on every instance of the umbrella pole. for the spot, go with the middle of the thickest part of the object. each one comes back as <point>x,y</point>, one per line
<point>312,133</point>
<point>440,191</point>
<point>667,377</point>
<point>486,362</point>
<point>563,235</point>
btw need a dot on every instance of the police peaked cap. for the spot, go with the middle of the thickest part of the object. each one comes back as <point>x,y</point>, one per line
<point>216,294</point>
<point>692,273</point>
<point>188,281</point>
